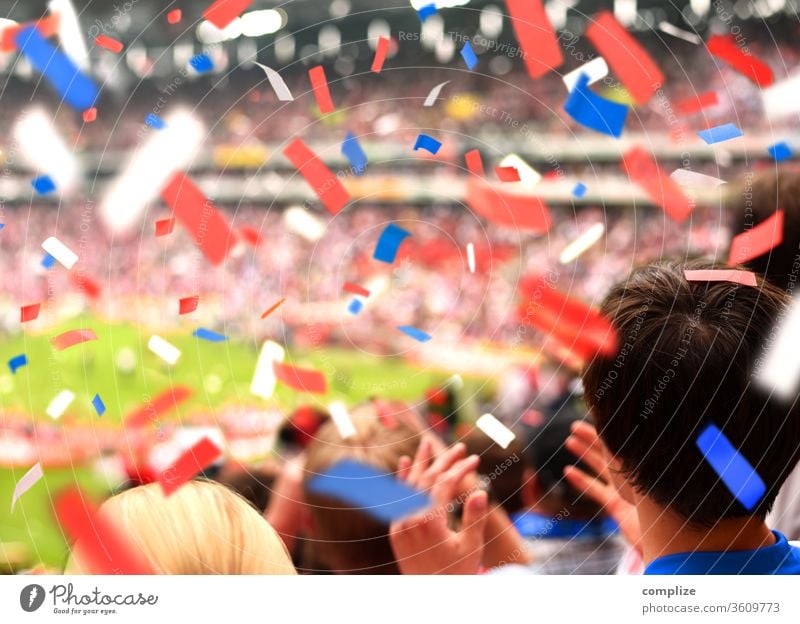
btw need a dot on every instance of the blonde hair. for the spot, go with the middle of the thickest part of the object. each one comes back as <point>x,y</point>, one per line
<point>202,528</point>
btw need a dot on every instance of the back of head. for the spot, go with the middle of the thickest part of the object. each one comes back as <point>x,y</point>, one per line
<point>503,467</point>
<point>202,528</point>
<point>346,539</point>
<point>548,457</point>
<point>685,359</point>
<point>755,199</point>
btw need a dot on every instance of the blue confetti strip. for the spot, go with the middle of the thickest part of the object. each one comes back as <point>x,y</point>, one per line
<point>780,151</point>
<point>2,225</point>
<point>201,63</point>
<point>427,143</point>
<point>579,190</point>
<point>426,11</point>
<point>57,68</point>
<point>98,404</point>
<point>735,471</point>
<point>389,242</point>
<point>48,261</point>
<point>416,334</point>
<point>375,493</point>
<point>207,334</point>
<point>18,361</point>
<point>154,121</point>
<point>594,112</point>
<point>355,306</point>
<point>468,54</point>
<point>717,134</point>
<point>43,184</point>
<point>351,149</point>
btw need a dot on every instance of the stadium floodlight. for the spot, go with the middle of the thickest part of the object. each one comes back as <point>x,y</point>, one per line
<point>625,11</point>
<point>44,150</point>
<point>491,21</point>
<point>69,32</point>
<point>260,23</point>
<point>376,29</point>
<point>163,153</point>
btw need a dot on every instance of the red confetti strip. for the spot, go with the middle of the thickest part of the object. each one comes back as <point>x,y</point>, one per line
<point>109,43</point>
<point>73,337</point>
<point>757,241</point>
<point>169,399</point>
<point>326,185</point>
<point>174,16</point>
<point>536,36</point>
<point>662,190</point>
<point>89,115</point>
<point>522,212</point>
<point>745,278</point>
<point>198,215</point>
<point>188,465</point>
<point>474,162</point>
<point>29,312</point>
<point>47,27</point>
<point>634,67</point>
<point>300,379</point>
<point>507,174</point>
<point>319,83</point>
<point>582,330</point>
<point>272,308</point>
<point>99,544</point>
<point>725,48</point>
<point>380,54</point>
<point>86,285</point>
<point>188,304</point>
<point>695,104</point>
<point>223,12</point>
<point>165,226</point>
<point>250,235</point>
<point>355,289</point>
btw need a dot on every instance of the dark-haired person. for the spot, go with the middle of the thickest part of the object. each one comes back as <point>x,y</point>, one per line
<point>685,359</point>
<point>565,532</point>
<point>755,199</point>
<point>687,352</point>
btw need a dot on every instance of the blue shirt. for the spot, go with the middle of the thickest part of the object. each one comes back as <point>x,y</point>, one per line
<point>534,525</point>
<point>780,558</point>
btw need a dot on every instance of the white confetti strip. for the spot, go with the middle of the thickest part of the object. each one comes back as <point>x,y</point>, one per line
<point>277,83</point>
<point>60,404</point>
<point>685,177</point>
<point>496,430</point>
<point>780,365</point>
<point>28,480</point>
<point>471,257</point>
<point>341,418</point>
<point>70,32</point>
<point>679,33</point>
<point>163,349</point>
<point>528,176</point>
<point>263,384</point>
<point>434,94</point>
<point>781,99</point>
<point>596,69</point>
<point>582,243</point>
<point>140,181</point>
<point>60,252</point>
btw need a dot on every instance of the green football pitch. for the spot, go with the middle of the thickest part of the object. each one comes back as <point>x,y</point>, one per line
<point>120,368</point>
